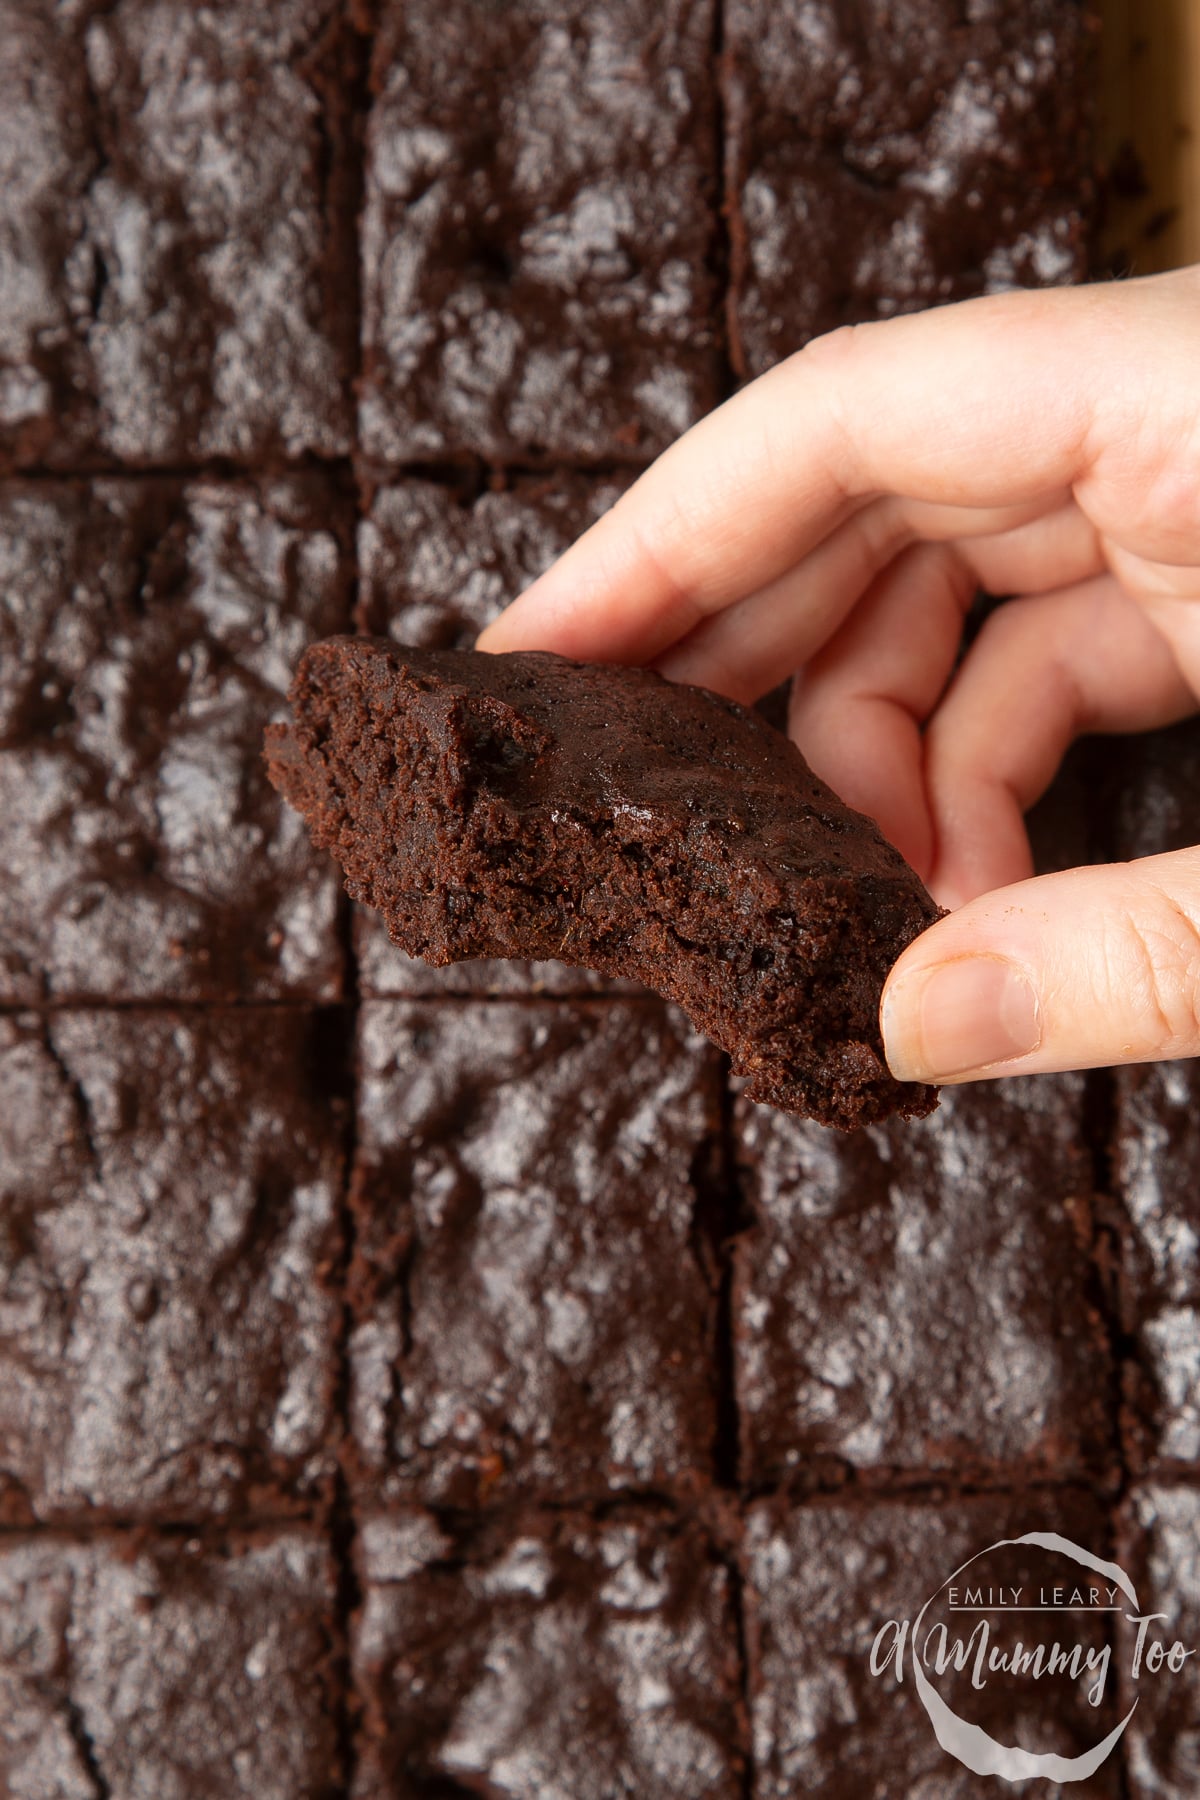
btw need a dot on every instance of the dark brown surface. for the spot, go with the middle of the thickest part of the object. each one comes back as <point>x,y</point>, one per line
<point>548,1655</point>
<point>176,208</point>
<point>1157,1542</point>
<point>822,1579</point>
<point>147,633</point>
<point>166,1669</point>
<point>1157,1178</point>
<point>436,566</point>
<point>540,229</point>
<point>921,1299</point>
<point>531,805</point>
<point>532,1295</point>
<point>885,155</point>
<point>168,1224</point>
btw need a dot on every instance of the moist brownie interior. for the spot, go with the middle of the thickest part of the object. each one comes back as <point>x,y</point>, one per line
<point>534,806</point>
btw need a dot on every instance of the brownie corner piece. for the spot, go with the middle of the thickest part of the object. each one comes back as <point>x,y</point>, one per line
<point>169,1665</point>
<point>538,229</point>
<point>550,1654</point>
<point>533,1311</point>
<point>527,805</point>
<point>169,1218</point>
<point>179,235</point>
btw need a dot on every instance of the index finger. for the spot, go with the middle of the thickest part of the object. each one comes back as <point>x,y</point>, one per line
<point>985,404</point>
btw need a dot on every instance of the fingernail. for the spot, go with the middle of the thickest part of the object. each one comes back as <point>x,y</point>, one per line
<point>959,1019</point>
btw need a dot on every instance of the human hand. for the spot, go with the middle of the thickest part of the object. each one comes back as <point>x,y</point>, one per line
<point>836,517</point>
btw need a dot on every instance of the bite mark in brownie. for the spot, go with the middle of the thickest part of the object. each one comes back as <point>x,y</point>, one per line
<point>883,158</point>
<point>532,1293</point>
<point>530,805</point>
<point>178,227</point>
<point>923,1300</point>
<point>143,1668</point>
<point>538,231</point>
<point>168,1221</point>
<point>549,1655</point>
<point>147,634</point>
<point>435,567</point>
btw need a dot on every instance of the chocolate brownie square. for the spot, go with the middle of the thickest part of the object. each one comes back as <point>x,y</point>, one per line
<point>148,631</point>
<point>1157,1173</point>
<point>538,230</point>
<point>435,567</point>
<point>824,1581</point>
<point>556,1655</point>
<point>168,1221</point>
<point>882,158</point>
<point>922,1298</point>
<point>1158,1544</point>
<point>142,1668</point>
<point>177,228</point>
<point>532,1291</point>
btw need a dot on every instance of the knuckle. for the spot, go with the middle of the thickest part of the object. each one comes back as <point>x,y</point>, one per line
<point>1159,962</point>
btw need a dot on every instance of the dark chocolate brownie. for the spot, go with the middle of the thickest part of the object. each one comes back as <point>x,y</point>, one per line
<point>883,157</point>
<point>822,1580</point>
<point>177,230</point>
<point>531,805</point>
<point>135,1668</point>
<point>1158,1544</point>
<point>539,226</point>
<point>922,1299</point>
<point>147,631</point>
<point>168,1214</point>
<point>553,1656</point>
<point>435,568</point>
<point>1157,1171</point>
<point>532,1292</point>
<point>1154,793</point>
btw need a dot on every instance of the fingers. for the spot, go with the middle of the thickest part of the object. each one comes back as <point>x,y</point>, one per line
<point>857,710</point>
<point>991,403</point>
<point>858,706</point>
<point>1042,671</point>
<point>744,650</point>
<point>1070,971</point>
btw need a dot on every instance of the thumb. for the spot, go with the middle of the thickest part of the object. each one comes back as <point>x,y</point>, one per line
<point>1069,971</point>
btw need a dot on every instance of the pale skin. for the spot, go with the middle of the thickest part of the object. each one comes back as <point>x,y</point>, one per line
<point>836,518</point>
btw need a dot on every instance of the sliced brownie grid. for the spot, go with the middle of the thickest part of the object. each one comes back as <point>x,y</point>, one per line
<point>487,1459</point>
